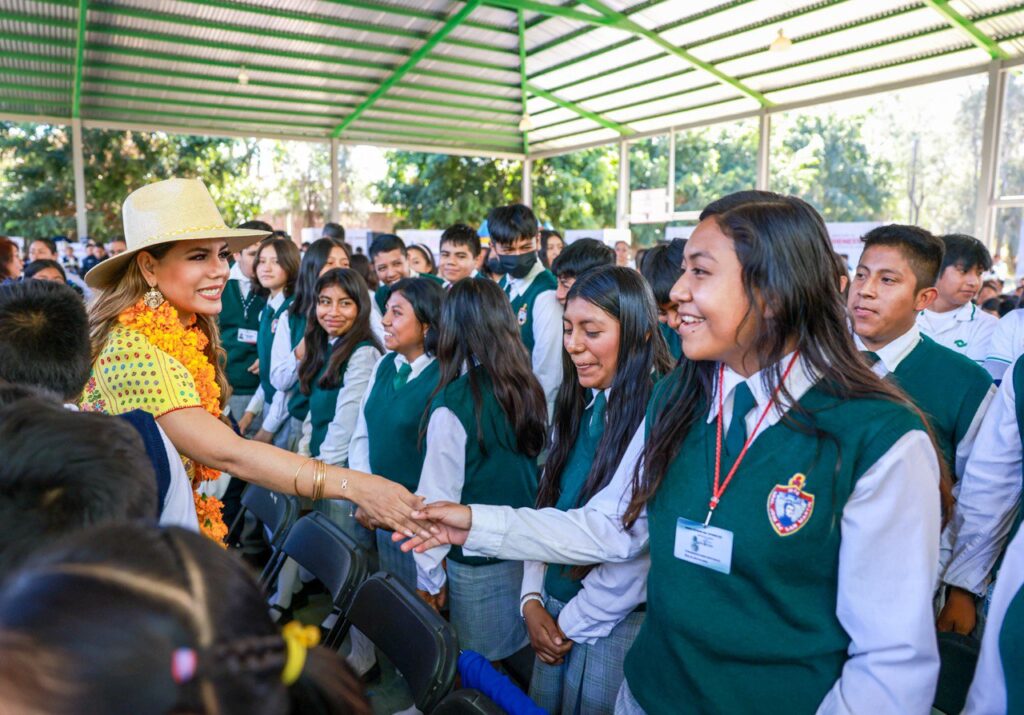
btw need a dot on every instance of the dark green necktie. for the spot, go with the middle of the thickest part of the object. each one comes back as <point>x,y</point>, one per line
<point>596,426</point>
<point>402,376</point>
<point>742,402</point>
<point>871,357</point>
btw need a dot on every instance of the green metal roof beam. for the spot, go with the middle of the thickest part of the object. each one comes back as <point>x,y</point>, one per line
<point>573,107</point>
<point>76,97</point>
<point>453,22</point>
<point>551,10</point>
<point>521,20</point>
<point>404,11</point>
<point>968,28</point>
<point>624,23</point>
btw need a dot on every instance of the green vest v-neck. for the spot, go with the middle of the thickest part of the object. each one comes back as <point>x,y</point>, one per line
<point>236,314</point>
<point>323,402</point>
<point>522,305</point>
<point>265,342</point>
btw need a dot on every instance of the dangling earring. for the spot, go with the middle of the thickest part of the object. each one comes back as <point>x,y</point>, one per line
<point>153,298</point>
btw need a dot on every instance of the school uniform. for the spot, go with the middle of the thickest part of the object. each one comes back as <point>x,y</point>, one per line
<point>539,315</point>
<point>826,604</point>
<point>966,330</point>
<point>998,685</point>
<point>386,440</point>
<point>268,400</point>
<point>483,593</point>
<point>284,373</point>
<point>1007,343</point>
<point>601,613</point>
<point>672,340</point>
<point>448,284</point>
<point>239,322</point>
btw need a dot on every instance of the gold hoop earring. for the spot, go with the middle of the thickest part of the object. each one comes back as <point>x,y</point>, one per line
<point>153,298</point>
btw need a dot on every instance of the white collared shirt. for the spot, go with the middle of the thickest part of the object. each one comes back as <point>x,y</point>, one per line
<point>274,414</point>
<point>1007,343</point>
<point>966,330</point>
<point>887,561</point>
<point>546,356</point>
<point>244,284</point>
<point>890,356</point>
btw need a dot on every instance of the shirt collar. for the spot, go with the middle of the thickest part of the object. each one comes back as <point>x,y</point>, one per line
<point>593,396</point>
<point>417,365</point>
<point>275,301</point>
<point>896,351</point>
<point>800,379</point>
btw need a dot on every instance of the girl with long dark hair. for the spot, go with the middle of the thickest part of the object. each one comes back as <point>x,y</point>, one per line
<point>789,497</point>
<point>613,355</point>
<point>486,428</point>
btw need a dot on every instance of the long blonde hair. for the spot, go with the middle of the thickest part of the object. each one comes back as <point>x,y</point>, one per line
<point>113,300</point>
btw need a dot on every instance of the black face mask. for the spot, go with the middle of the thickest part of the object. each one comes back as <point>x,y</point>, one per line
<point>515,266</point>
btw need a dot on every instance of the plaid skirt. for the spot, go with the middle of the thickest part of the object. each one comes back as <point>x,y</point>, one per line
<point>484,607</point>
<point>625,703</point>
<point>588,679</point>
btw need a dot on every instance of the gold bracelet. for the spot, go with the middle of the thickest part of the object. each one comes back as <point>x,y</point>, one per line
<point>320,476</point>
<point>295,483</point>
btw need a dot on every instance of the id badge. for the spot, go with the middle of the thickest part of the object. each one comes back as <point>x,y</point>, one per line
<point>705,546</point>
<point>247,336</point>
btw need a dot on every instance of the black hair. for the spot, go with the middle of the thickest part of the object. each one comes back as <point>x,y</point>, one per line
<point>44,338</point>
<point>258,226</point>
<point>334,230</point>
<point>313,261</point>
<point>965,252</point>
<point>788,265</point>
<point>48,242</point>
<point>1001,304</point>
<point>426,254</point>
<point>288,258</point>
<point>738,198</point>
<point>546,235</point>
<point>459,234</point>
<point>110,619</point>
<point>642,358</point>
<point>359,262</point>
<point>923,251</point>
<point>385,243</point>
<point>317,345</point>
<point>63,471</point>
<point>478,328</point>
<point>425,296</point>
<point>662,266</point>
<point>41,264</point>
<point>580,256</point>
<point>508,224</point>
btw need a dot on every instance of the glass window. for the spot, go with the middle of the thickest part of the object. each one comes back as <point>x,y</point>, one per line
<point>1011,139</point>
<point>1009,232</point>
<point>714,161</point>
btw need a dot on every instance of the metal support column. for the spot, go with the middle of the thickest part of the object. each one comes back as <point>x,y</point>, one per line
<point>332,214</point>
<point>527,187</point>
<point>622,205</point>
<point>670,198</point>
<point>983,217</point>
<point>764,151</point>
<point>78,166</point>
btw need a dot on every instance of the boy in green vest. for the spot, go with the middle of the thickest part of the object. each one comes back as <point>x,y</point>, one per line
<point>460,253</point>
<point>531,289</point>
<point>390,261</point>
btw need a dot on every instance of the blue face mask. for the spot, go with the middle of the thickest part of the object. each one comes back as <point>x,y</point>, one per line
<point>516,266</point>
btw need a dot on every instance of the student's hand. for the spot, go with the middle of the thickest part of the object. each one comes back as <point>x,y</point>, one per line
<point>435,601</point>
<point>547,639</point>
<point>364,519</point>
<point>300,350</point>
<point>245,423</point>
<point>959,614</point>
<point>263,436</point>
<point>390,505</point>
<point>255,367</point>
<point>449,524</point>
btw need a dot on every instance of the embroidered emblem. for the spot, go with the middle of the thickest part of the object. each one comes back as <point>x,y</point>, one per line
<point>789,506</point>
<point>960,343</point>
<point>521,316</point>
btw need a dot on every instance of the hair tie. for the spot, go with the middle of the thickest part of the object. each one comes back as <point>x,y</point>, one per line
<point>183,665</point>
<point>298,639</point>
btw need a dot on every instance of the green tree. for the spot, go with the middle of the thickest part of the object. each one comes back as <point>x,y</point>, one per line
<point>37,194</point>
<point>714,161</point>
<point>577,190</point>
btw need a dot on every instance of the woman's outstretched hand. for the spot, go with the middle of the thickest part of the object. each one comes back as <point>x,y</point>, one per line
<point>392,506</point>
<point>449,523</point>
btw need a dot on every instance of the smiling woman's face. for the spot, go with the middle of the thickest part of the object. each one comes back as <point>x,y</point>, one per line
<point>191,275</point>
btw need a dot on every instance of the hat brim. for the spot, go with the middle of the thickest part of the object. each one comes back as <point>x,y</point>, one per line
<point>109,271</point>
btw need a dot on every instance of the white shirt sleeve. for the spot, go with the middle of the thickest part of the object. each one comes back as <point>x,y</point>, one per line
<point>284,368</point>
<point>375,320</point>
<point>966,445</point>
<point>987,695</point>
<point>547,345</point>
<point>334,449</point>
<point>179,507</point>
<point>1004,346</point>
<point>305,437</point>
<point>533,580</point>
<point>988,495</point>
<point>256,403</point>
<point>981,341</point>
<point>442,478</point>
<point>276,413</point>
<point>591,534</point>
<point>888,561</point>
<point>359,447</point>
<point>610,593</point>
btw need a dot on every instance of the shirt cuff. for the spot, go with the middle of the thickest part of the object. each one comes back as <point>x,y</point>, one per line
<point>490,523</point>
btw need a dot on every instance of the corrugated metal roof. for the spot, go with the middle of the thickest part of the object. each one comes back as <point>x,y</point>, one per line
<point>361,69</point>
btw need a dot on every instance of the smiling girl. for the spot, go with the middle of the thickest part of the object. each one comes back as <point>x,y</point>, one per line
<point>788,496</point>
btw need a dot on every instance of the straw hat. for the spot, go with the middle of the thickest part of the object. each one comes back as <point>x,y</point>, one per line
<point>166,212</point>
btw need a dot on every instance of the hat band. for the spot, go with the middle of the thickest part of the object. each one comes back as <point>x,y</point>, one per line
<point>188,229</point>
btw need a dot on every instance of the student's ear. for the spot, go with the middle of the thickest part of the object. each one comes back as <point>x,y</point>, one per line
<point>925,298</point>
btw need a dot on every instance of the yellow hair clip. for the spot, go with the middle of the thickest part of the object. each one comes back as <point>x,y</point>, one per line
<point>298,639</point>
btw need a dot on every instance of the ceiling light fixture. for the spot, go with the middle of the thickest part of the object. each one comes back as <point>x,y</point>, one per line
<point>526,123</point>
<point>781,43</point>
<point>243,76</point>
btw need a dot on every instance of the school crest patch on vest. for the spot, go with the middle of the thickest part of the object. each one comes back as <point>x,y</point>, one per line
<point>521,315</point>
<point>789,506</point>
<point>960,343</point>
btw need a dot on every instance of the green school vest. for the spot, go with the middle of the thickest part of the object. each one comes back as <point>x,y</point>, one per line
<point>234,315</point>
<point>558,581</point>
<point>496,473</point>
<point>393,421</point>
<point>298,404</point>
<point>765,638</point>
<point>1018,403</point>
<point>265,341</point>
<point>323,402</point>
<point>675,344</point>
<point>522,305</point>
<point>947,387</point>
<point>1011,636</point>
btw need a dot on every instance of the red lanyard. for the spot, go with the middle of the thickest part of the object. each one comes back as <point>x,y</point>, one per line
<point>717,491</point>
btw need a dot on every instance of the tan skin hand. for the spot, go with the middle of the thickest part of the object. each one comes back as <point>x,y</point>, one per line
<point>450,524</point>
<point>255,367</point>
<point>959,614</point>
<point>435,601</point>
<point>245,422</point>
<point>263,436</point>
<point>547,639</point>
<point>365,520</point>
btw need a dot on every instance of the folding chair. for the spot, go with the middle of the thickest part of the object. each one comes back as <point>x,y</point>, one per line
<point>467,702</point>
<point>958,656</point>
<point>320,546</point>
<point>412,635</point>
<point>277,512</point>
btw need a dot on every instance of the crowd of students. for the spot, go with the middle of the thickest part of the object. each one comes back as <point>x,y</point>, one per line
<point>733,472</point>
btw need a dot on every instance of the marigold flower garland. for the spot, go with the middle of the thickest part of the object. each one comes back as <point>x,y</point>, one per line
<point>162,327</point>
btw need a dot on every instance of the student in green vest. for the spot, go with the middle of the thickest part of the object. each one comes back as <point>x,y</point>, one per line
<point>486,427</point>
<point>613,356</point>
<point>322,255</point>
<point>460,252</point>
<point>387,438</point>
<point>390,260</point>
<point>661,268</point>
<point>789,497</point>
<point>277,267</point>
<point>531,290</point>
<point>576,259</point>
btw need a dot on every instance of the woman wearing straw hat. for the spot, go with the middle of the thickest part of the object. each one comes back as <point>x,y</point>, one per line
<point>156,348</point>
